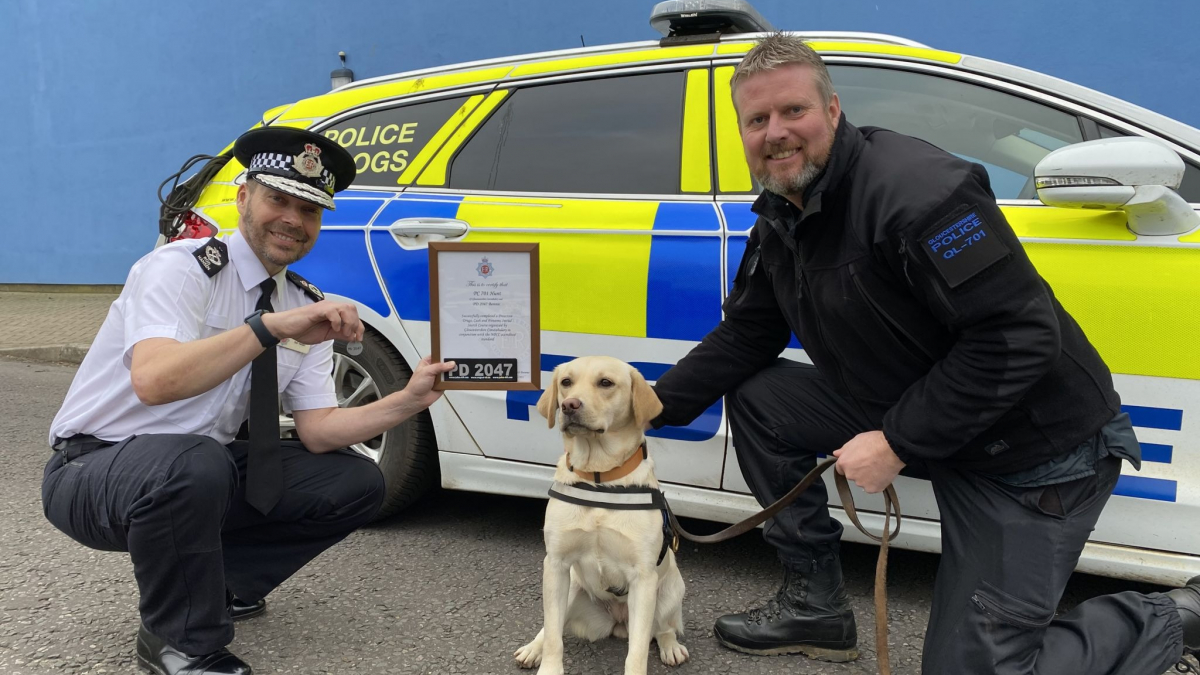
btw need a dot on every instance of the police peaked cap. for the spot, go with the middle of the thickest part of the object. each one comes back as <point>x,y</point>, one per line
<point>297,162</point>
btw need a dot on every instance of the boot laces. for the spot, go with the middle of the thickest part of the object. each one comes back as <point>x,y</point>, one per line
<point>775,606</point>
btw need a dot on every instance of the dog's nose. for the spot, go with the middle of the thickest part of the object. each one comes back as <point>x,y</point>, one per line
<point>571,405</point>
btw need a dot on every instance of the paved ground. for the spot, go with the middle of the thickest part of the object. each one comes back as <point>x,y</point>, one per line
<point>451,586</point>
<point>51,326</point>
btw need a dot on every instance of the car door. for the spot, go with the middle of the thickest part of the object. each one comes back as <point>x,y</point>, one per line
<point>590,168</point>
<point>1130,294</point>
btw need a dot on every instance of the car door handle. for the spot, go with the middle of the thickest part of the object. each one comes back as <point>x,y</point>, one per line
<point>449,228</point>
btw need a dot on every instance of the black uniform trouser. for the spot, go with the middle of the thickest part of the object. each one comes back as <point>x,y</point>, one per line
<point>177,504</point>
<point>1007,552</point>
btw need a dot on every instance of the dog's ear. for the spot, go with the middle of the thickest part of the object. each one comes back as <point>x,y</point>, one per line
<point>646,405</point>
<point>547,405</point>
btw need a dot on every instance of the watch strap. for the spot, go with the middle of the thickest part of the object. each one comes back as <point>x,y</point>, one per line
<point>265,337</point>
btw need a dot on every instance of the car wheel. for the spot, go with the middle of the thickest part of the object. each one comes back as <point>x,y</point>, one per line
<point>406,454</point>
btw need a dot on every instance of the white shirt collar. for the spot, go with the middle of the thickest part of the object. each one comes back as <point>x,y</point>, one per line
<point>249,268</point>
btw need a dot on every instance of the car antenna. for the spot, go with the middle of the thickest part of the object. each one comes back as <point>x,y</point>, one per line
<point>581,40</point>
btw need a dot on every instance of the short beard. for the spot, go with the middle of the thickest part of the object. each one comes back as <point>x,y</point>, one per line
<point>796,184</point>
<point>256,236</point>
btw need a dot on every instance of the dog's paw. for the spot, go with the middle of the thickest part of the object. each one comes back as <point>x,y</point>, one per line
<point>672,652</point>
<point>530,655</point>
<point>621,631</point>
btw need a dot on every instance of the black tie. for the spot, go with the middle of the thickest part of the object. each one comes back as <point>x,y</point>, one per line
<point>264,466</point>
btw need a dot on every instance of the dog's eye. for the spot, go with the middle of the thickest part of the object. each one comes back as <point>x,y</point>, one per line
<point>606,382</point>
<point>566,382</point>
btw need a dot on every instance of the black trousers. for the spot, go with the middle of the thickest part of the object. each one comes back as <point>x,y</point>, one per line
<point>177,504</point>
<point>1007,552</point>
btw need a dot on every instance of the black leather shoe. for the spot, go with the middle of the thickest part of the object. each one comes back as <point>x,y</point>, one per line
<point>810,614</point>
<point>1187,601</point>
<point>160,658</point>
<point>240,609</point>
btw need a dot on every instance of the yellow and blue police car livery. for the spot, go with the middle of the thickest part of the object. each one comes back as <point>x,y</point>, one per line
<point>639,270</point>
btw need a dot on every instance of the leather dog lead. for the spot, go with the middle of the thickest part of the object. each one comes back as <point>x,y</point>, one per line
<point>891,502</point>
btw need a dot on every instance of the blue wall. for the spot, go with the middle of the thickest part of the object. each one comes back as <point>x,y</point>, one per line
<point>102,99</point>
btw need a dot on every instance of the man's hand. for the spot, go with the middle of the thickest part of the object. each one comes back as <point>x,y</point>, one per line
<point>420,385</point>
<point>316,323</point>
<point>868,460</point>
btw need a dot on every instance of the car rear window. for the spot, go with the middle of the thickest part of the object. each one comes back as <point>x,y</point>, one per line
<point>617,135</point>
<point>384,142</point>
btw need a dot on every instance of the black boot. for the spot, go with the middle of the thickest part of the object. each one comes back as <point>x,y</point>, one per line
<point>810,614</point>
<point>1187,601</point>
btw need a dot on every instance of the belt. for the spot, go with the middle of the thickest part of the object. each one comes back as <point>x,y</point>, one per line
<point>77,446</point>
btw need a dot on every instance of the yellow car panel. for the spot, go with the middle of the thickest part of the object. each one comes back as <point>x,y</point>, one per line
<point>695,174</point>
<point>436,174</point>
<point>733,174</point>
<point>1043,222</point>
<point>422,158</point>
<point>610,60</point>
<point>335,102</point>
<point>1135,303</point>
<point>825,46</point>
<point>608,270</point>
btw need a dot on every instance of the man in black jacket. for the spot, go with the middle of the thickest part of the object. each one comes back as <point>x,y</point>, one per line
<point>937,347</point>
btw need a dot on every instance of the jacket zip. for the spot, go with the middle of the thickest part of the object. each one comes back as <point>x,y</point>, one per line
<point>906,253</point>
<point>887,318</point>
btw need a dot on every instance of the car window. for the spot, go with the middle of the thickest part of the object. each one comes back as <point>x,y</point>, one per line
<point>384,142</point>
<point>1189,188</point>
<point>612,135</point>
<point>1006,134</point>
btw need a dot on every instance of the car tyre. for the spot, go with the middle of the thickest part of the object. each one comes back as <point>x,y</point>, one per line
<point>407,453</point>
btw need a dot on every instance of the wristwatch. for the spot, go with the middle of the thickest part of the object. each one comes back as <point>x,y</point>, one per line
<point>265,338</point>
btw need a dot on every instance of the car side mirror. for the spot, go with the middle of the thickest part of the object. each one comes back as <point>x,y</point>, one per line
<point>1136,175</point>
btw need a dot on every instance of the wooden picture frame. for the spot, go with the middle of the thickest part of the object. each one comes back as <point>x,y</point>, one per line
<point>485,312</point>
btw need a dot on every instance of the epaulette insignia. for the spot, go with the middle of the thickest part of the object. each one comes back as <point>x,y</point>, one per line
<point>213,256</point>
<point>309,290</point>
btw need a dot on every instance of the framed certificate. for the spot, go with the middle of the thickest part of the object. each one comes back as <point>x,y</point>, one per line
<point>484,314</point>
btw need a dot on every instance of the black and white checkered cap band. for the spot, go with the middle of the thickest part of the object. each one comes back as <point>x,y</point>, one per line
<point>282,162</point>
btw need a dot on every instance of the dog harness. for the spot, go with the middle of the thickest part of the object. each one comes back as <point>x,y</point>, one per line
<point>619,497</point>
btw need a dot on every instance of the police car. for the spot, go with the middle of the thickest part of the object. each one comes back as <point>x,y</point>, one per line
<point>625,165</point>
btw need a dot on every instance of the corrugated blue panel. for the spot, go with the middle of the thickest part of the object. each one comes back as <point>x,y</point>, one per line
<point>406,273</point>
<point>734,248</point>
<point>1146,488</point>
<point>683,292</point>
<point>352,211</point>
<point>1154,418</point>
<point>339,264</point>
<point>1153,452</point>
<point>690,216</point>
<point>517,403</point>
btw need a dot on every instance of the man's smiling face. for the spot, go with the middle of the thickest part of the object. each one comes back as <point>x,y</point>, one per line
<point>280,228</point>
<point>787,129</point>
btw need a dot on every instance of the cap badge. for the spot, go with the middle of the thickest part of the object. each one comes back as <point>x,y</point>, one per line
<point>308,163</point>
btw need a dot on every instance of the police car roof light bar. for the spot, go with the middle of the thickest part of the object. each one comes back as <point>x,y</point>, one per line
<point>704,18</point>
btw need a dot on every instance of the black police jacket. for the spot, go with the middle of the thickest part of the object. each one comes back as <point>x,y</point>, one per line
<point>912,295</point>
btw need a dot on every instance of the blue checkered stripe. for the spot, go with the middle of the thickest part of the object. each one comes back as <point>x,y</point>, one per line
<point>280,161</point>
<point>1141,487</point>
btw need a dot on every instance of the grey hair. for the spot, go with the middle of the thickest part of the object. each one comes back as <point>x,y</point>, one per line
<point>781,49</point>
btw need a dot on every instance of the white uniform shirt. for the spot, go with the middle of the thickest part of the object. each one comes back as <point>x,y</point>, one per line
<point>168,295</point>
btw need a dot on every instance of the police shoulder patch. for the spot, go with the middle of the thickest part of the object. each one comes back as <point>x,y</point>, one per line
<point>309,290</point>
<point>962,245</point>
<point>212,255</point>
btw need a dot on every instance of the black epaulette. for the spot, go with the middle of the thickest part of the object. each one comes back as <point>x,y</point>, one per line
<point>309,290</point>
<point>212,255</point>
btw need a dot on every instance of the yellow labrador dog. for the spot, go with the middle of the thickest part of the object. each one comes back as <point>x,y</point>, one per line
<point>607,570</point>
